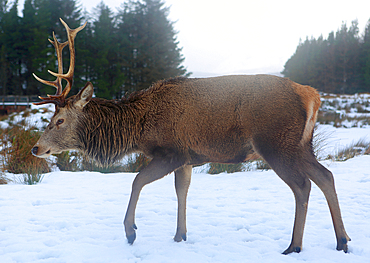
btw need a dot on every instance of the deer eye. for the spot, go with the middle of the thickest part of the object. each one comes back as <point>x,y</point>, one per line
<point>59,122</point>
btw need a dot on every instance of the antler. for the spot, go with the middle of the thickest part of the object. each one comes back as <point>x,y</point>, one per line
<point>60,95</point>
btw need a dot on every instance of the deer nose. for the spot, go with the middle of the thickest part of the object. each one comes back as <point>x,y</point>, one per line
<point>34,150</point>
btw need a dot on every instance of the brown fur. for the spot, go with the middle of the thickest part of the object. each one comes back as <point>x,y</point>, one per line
<point>181,116</point>
<point>181,122</point>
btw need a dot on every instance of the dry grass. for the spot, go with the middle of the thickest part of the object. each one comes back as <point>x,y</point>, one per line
<point>136,163</point>
<point>367,151</point>
<point>335,119</point>
<point>3,180</point>
<point>216,168</point>
<point>361,147</point>
<point>69,161</point>
<point>16,156</point>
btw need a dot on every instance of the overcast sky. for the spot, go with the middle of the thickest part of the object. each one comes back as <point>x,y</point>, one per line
<point>243,36</point>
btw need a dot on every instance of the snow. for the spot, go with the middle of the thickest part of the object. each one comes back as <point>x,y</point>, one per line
<point>337,139</point>
<point>239,217</point>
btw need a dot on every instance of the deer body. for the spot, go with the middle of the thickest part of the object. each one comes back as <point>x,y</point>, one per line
<point>216,119</point>
<point>181,122</point>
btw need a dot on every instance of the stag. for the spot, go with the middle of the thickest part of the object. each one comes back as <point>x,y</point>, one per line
<point>183,122</point>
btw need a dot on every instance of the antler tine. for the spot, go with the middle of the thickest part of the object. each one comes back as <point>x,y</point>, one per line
<point>60,95</point>
<point>58,82</point>
<point>48,99</point>
<point>59,48</point>
<point>71,33</point>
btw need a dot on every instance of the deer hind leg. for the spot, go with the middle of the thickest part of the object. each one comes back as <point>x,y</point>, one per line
<point>301,187</point>
<point>323,178</point>
<point>182,182</point>
<point>301,192</point>
<point>288,167</point>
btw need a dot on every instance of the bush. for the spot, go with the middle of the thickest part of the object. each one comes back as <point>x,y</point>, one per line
<point>76,161</point>
<point>3,180</point>
<point>358,148</point>
<point>216,168</point>
<point>319,142</point>
<point>261,164</point>
<point>16,154</point>
<point>68,161</point>
<point>90,165</point>
<point>367,151</point>
<point>136,163</point>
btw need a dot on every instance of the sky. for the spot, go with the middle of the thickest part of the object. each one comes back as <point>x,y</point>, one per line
<point>250,37</point>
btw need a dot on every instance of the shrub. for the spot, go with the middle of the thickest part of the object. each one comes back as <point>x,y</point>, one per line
<point>3,179</point>
<point>329,117</point>
<point>76,161</point>
<point>90,165</point>
<point>319,142</point>
<point>216,168</point>
<point>368,150</point>
<point>262,165</point>
<point>68,161</point>
<point>16,154</point>
<point>352,150</point>
<point>136,163</point>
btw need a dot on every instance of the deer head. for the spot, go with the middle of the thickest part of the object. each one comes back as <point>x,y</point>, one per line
<point>58,135</point>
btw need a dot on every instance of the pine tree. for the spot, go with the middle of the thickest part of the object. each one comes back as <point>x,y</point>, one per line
<point>34,39</point>
<point>107,78</point>
<point>13,51</point>
<point>365,61</point>
<point>336,64</point>
<point>328,57</point>
<point>3,61</point>
<point>148,47</point>
<point>118,53</point>
<point>40,20</point>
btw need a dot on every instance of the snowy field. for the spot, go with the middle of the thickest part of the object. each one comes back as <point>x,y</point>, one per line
<point>240,217</point>
<point>336,139</point>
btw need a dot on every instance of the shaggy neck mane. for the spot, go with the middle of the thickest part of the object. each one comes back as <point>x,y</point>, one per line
<point>107,129</point>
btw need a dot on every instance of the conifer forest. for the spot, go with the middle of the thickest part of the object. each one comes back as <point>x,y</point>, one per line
<point>118,52</point>
<point>337,64</point>
<point>127,50</point>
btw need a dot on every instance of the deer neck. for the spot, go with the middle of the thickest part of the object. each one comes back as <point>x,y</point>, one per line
<point>110,129</point>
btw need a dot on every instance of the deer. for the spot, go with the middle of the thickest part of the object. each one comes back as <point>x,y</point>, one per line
<point>181,122</point>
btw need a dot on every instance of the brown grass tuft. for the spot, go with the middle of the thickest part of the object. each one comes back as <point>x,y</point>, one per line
<point>359,148</point>
<point>3,180</point>
<point>16,154</point>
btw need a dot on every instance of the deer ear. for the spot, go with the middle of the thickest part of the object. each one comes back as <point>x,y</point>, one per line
<point>84,96</point>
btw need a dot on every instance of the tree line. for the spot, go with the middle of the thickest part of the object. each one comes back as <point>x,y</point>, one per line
<point>118,52</point>
<point>338,64</point>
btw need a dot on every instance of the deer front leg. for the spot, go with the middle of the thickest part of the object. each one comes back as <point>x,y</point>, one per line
<point>182,182</point>
<point>155,170</point>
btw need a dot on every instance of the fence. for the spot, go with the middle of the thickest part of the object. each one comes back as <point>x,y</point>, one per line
<point>12,103</point>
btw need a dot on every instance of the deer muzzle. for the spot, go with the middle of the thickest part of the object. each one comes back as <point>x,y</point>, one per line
<point>36,152</point>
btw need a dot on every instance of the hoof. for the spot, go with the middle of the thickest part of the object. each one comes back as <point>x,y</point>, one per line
<point>343,244</point>
<point>180,237</point>
<point>292,249</point>
<point>131,237</point>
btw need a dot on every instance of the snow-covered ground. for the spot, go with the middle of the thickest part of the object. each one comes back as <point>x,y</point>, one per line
<point>336,139</point>
<point>239,217</point>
